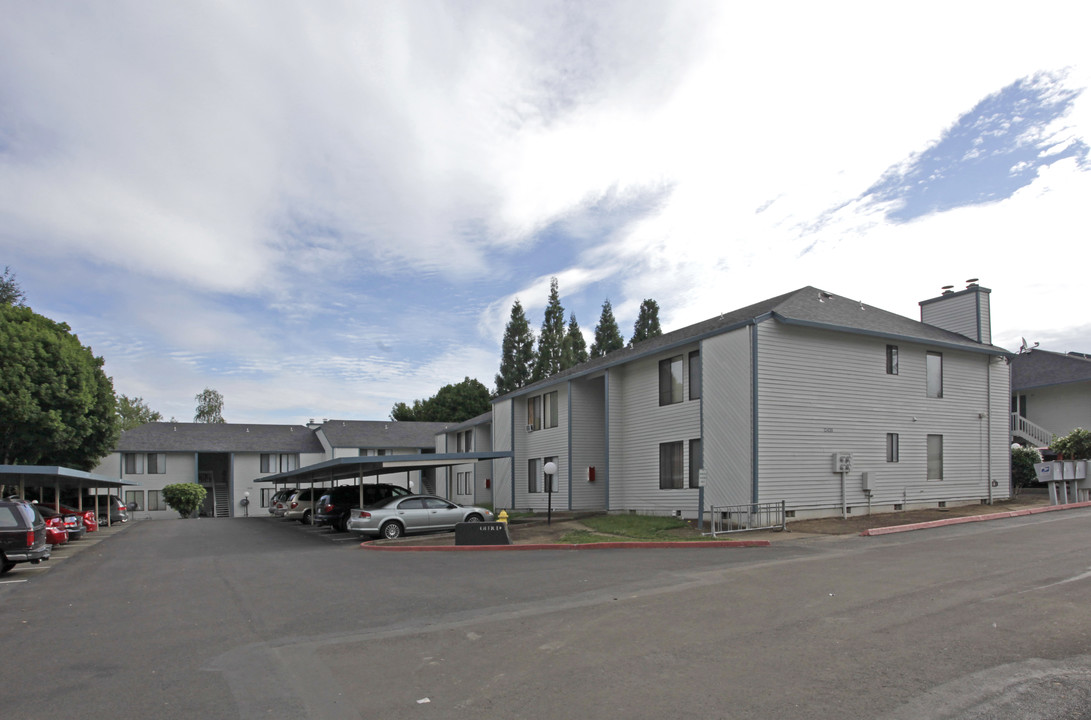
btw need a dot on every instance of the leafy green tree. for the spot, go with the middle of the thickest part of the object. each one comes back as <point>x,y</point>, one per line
<point>1022,466</point>
<point>210,406</point>
<point>57,406</point>
<point>10,292</point>
<point>453,404</point>
<point>607,334</point>
<point>517,353</point>
<point>1076,445</point>
<point>186,498</point>
<point>647,322</point>
<point>574,347</point>
<point>134,412</point>
<point>551,338</point>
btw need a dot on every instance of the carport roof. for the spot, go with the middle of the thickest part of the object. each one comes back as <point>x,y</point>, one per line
<point>352,467</point>
<point>53,475</point>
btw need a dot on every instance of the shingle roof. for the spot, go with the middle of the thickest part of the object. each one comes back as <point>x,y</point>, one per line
<point>1039,368</point>
<point>382,433</point>
<point>807,306</point>
<point>219,437</point>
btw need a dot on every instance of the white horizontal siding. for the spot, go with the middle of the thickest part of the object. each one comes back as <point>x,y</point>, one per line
<point>588,449</point>
<point>547,442</point>
<point>728,440</point>
<point>638,424</point>
<point>824,392</point>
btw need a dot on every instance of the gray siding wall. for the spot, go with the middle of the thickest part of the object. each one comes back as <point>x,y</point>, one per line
<point>638,424</point>
<point>547,442</point>
<point>959,313</point>
<point>824,392</point>
<point>501,440</point>
<point>588,421</point>
<point>728,439</point>
<point>1060,408</point>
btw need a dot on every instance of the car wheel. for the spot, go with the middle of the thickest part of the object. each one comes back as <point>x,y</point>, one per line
<point>306,519</point>
<point>342,524</point>
<point>103,520</point>
<point>6,567</point>
<point>474,518</point>
<point>392,530</point>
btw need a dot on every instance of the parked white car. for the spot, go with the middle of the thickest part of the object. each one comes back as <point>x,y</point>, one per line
<point>399,516</point>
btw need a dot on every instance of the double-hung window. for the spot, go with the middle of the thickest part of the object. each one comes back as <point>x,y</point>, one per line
<point>935,457</point>
<point>934,370</point>
<point>696,462</point>
<point>134,463</point>
<point>670,380</point>
<point>670,465</point>
<point>534,412</point>
<point>534,475</point>
<point>892,447</point>
<point>274,462</point>
<point>549,400</point>
<point>891,359</point>
<point>695,375</point>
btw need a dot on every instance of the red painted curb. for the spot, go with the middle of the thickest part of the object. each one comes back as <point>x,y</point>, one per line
<point>585,546</point>
<point>972,518</point>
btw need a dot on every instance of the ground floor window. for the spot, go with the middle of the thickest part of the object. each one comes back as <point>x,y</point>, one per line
<point>892,447</point>
<point>670,465</point>
<point>155,501</point>
<point>534,475</point>
<point>935,457</point>
<point>135,496</point>
<point>696,462</point>
<point>266,496</point>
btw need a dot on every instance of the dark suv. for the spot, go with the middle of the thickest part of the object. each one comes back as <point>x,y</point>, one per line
<point>22,535</point>
<point>334,507</point>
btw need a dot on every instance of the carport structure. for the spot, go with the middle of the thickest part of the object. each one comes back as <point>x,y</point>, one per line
<point>358,468</point>
<point>45,477</point>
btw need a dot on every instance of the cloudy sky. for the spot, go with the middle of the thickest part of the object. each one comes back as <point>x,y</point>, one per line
<point>322,208</point>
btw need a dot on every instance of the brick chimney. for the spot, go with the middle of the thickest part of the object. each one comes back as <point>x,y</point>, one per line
<point>965,312</point>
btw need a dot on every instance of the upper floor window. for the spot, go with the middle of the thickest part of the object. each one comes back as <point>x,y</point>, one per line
<point>891,359</point>
<point>534,412</point>
<point>278,462</point>
<point>542,411</point>
<point>670,380</point>
<point>464,441</point>
<point>934,371</point>
<point>695,375</point>
<point>139,463</point>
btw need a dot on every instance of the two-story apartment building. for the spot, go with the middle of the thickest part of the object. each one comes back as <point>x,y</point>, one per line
<point>756,404</point>
<point>231,459</point>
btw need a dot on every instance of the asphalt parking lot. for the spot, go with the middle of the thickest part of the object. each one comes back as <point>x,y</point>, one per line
<point>258,618</point>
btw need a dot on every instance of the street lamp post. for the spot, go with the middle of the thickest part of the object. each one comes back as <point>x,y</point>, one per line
<point>550,470</point>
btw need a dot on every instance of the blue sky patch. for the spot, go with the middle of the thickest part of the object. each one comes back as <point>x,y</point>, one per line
<point>988,154</point>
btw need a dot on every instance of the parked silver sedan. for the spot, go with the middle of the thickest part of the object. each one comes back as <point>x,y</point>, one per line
<point>398,516</point>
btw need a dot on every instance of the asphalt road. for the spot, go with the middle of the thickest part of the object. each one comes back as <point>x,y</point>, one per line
<point>264,619</point>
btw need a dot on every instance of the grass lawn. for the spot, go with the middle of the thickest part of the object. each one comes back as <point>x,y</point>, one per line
<point>622,528</point>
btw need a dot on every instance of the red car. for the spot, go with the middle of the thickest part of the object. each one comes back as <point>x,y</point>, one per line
<point>72,523</point>
<point>55,532</point>
<point>90,522</point>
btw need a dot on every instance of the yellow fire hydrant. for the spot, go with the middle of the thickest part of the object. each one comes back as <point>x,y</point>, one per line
<point>503,516</point>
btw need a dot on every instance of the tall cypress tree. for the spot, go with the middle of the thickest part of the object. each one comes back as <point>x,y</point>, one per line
<point>518,353</point>
<point>607,334</point>
<point>647,322</point>
<point>574,347</point>
<point>551,337</point>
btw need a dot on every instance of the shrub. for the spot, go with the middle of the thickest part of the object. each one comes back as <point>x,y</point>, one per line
<point>1022,466</point>
<point>1076,445</point>
<point>186,498</point>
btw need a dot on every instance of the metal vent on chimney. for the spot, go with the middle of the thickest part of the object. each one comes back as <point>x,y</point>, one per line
<point>948,289</point>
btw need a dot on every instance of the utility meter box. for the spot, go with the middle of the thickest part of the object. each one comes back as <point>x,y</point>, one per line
<point>865,481</point>
<point>842,462</point>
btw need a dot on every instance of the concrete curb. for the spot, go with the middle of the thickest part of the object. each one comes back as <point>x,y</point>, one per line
<point>969,519</point>
<point>584,546</point>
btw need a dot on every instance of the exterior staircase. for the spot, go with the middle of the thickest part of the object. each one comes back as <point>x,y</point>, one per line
<point>1025,429</point>
<point>222,500</point>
